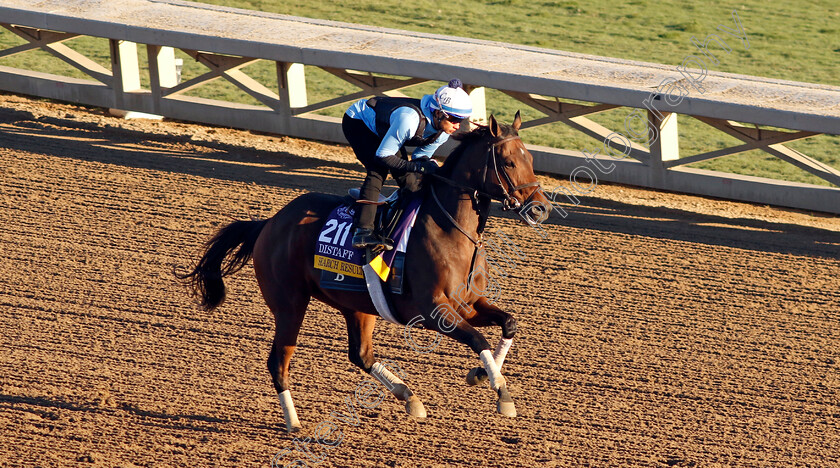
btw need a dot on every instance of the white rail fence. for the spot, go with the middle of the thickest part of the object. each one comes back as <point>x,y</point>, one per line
<point>226,40</point>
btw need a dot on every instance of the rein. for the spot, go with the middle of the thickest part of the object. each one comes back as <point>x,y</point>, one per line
<point>478,243</point>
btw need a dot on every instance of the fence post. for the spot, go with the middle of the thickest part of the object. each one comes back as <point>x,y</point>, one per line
<point>291,82</point>
<point>664,148</point>
<point>126,69</point>
<point>162,72</point>
<point>479,103</point>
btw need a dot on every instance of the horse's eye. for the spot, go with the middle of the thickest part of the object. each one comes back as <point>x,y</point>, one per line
<point>510,164</point>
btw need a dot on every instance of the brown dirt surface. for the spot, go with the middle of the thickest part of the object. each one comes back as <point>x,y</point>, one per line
<point>656,329</point>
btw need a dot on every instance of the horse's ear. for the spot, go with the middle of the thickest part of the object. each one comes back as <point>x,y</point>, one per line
<point>495,129</point>
<point>517,121</point>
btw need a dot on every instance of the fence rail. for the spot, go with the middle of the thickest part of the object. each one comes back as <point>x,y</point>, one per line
<point>225,40</point>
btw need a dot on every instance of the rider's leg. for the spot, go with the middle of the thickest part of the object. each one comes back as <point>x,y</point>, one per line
<point>363,234</point>
<point>365,143</point>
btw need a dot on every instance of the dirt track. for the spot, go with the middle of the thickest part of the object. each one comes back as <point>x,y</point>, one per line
<point>656,329</point>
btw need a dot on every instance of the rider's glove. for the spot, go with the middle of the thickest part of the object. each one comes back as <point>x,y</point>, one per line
<point>421,166</point>
<point>424,166</point>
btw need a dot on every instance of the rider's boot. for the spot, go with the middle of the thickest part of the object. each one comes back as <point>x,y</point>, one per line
<point>364,236</point>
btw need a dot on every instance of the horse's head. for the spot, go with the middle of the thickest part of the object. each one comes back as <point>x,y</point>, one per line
<point>494,161</point>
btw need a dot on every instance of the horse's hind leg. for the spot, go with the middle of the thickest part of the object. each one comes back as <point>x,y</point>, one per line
<point>360,335</point>
<point>288,318</point>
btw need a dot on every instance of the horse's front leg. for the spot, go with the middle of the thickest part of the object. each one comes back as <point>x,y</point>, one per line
<point>447,321</point>
<point>486,315</point>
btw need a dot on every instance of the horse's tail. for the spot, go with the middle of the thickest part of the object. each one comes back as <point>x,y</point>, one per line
<point>226,253</point>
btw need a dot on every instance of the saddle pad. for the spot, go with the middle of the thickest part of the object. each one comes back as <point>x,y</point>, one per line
<point>341,263</point>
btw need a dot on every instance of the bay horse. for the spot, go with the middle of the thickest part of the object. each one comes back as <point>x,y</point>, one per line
<point>441,257</point>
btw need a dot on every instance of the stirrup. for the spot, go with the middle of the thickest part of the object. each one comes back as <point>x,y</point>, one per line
<point>366,238</point>
<point>363,238</point>
<point>386,242</point>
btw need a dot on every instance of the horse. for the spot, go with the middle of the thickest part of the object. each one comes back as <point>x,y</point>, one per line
<point>442,256</point>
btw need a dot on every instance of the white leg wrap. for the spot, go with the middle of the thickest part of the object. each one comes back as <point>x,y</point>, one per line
<point>289,412</point>
<point>390,381</point>
<point>501,351</point>
<point>496,379</point>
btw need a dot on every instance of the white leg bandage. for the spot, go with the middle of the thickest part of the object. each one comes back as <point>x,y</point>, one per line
<point>501,351</point>
<point>489,363</point>
<point>289,412</point>
<point>390,381</point>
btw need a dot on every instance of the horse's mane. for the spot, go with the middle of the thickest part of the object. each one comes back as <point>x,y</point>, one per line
<point>466,140</point>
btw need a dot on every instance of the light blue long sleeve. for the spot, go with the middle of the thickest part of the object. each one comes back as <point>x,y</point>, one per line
<point>404,122</point>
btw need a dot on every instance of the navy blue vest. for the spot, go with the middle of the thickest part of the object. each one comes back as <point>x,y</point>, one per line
<point>385,105</point>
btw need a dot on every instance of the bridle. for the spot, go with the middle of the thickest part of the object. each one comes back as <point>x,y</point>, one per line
<point>509,202</point>
<point>481,198</point>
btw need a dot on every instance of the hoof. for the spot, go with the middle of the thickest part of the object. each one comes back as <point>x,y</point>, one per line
<point>291,429</point>
<point>505,405</point>
<point>506,408</point>
<point>415,407</point>
<point>476,376</point>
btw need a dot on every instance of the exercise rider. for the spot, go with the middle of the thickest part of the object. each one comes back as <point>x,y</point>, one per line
<point>380,128</point>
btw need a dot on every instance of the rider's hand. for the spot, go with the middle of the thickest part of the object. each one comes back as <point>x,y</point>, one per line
<point>425,166</point>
